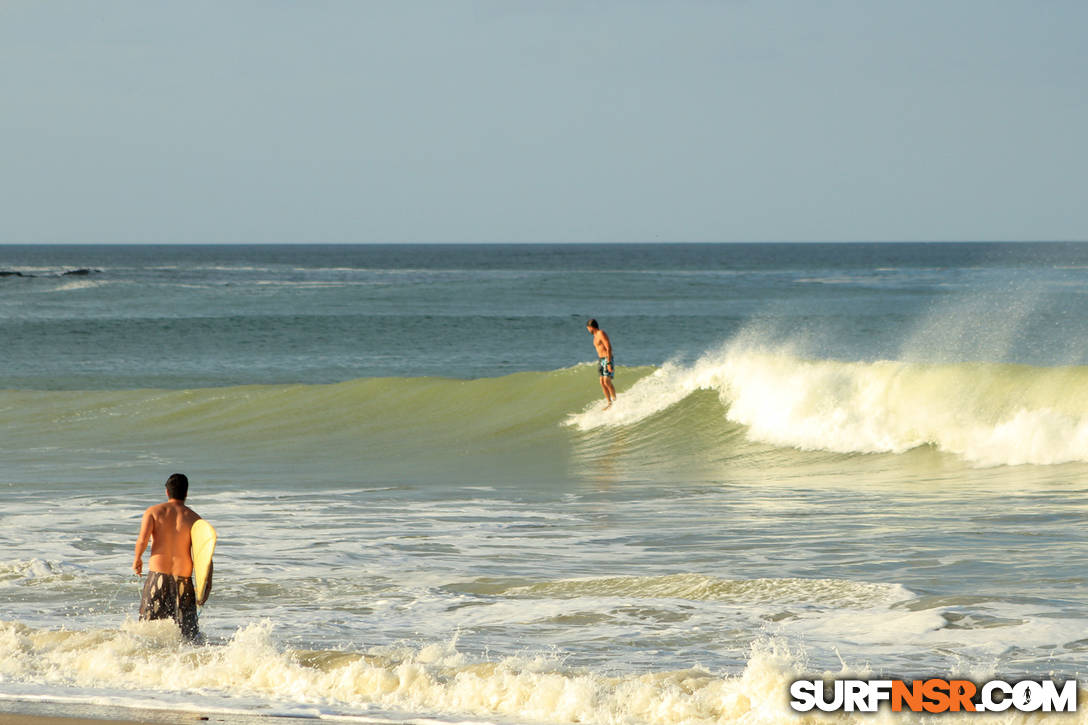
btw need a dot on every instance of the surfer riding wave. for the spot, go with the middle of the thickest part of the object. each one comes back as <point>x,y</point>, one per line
<point>605,364</point>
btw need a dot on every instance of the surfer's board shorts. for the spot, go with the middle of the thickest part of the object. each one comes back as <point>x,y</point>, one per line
<point>166,596</point>
<point>602,368</point>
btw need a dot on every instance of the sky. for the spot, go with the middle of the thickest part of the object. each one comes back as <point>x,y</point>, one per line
<point>332,121</point>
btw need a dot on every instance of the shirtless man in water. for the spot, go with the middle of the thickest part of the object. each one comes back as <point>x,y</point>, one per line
<point>168,592</point>
<point>605,367</point>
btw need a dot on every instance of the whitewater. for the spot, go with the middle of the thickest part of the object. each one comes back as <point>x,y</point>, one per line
<point>988,414</point>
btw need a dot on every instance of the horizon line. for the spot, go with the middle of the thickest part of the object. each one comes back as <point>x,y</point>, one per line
<point>536,243</point>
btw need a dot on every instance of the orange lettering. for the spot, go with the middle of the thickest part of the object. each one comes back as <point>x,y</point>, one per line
<point>936,692</point>
<point>911,695</point>
<point>961,692</point>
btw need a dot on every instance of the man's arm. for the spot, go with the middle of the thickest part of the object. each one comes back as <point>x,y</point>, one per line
<point>608,351</point>
<point>146,528</point>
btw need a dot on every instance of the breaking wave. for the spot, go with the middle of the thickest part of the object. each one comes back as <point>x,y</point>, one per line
<point>986,413</point>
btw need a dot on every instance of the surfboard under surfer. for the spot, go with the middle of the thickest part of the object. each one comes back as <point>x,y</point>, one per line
<point>605,362</point>
<point>168,592</point>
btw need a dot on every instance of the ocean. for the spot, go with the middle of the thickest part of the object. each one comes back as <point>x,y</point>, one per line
<point>826,460</point>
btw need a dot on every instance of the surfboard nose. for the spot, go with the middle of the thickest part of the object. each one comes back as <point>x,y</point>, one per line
<point>203,539</point>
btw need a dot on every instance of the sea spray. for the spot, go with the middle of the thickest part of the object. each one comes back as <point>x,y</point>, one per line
<point>989,414</point>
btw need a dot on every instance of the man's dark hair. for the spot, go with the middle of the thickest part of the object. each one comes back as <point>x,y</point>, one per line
<point>177,486</point>
<point>593,324</point>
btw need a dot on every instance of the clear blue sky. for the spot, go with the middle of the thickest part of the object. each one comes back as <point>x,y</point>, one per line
<point>596,121</point>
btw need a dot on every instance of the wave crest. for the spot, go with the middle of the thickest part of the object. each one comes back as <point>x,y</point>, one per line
<point>987,413</point>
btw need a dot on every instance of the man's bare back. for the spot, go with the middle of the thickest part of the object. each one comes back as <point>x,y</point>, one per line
<point>168,591</point>
<point>167,526</point>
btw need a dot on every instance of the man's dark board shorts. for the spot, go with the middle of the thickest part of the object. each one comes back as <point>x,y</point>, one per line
<point>167,596</point>
<point>602,368</point>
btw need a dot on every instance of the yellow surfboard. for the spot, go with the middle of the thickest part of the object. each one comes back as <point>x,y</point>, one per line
<point>203,546</point>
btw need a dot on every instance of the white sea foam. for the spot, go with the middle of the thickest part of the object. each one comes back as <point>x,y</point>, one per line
<point>986,413</point>
<point>700,587</point>
<point>435,678</point>
<point>77,285</point>
<point>147,657</point>
<point>22,572</point>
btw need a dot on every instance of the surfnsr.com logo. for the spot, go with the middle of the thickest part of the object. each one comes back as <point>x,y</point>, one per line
<point>933,695</point>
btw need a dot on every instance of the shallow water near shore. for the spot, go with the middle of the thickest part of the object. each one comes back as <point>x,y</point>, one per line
<point>865,459</point>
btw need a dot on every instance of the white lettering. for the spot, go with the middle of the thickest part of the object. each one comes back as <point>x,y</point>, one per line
<point>1064,701</point>
<point>988,702</point>
<point>854,697</point>
<point>803,693</point>
<point>1027,696</point>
